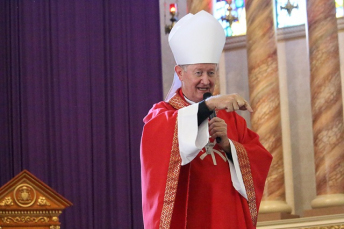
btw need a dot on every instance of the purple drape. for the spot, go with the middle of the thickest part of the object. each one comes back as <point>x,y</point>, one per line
<point>77,78</point>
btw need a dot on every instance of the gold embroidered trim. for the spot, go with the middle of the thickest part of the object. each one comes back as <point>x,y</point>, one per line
<point>171,183</point>
<point>248,180</point>
<point>173,169</point>
<point>177,102</point>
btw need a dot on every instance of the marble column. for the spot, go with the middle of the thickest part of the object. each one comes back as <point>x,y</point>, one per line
<point>327,108</point>
<point>194,6</point>
<point>265,98</point>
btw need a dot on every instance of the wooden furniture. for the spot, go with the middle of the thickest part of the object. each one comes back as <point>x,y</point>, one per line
<point>26,202</point>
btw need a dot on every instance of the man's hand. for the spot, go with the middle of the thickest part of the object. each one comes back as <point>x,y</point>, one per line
<point>229,103</point>
<point>218,128</point>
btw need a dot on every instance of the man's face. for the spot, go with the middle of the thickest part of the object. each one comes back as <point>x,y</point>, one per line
<point>197,80</point>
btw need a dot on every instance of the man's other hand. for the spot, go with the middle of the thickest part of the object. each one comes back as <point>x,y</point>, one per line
<point>229,103</point>
<point>218,128</point>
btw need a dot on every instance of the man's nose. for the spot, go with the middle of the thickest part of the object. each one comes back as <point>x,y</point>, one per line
<point>205,79</point>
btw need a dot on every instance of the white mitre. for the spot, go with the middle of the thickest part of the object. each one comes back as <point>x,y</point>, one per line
<point>195,39</point>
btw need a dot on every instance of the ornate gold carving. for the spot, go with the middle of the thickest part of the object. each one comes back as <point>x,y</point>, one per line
<point>25,219</point>
<point>53,227</point>
<point>6,202</point>
<point>24,195</point>
<point>42,201</point>
<point>55,219</point>
<point>326,227</point>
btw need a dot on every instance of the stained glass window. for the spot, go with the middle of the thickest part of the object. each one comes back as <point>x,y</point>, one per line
<point>294,12</point>
<point>234,24</point>
<point>288,13</point>
<point>339,8</point>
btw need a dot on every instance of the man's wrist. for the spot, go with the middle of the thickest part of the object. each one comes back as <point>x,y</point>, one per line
<point>209,104</point>
<point>227,148</point>
<point>203,112</point>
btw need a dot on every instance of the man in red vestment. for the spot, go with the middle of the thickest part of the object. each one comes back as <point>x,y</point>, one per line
<point>199,172</point>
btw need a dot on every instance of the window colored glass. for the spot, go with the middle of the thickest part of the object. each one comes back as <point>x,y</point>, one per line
<point>238,16</point>
<point>288,13</point>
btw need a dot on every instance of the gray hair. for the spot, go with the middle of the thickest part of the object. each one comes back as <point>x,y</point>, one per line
<point>185,66</point>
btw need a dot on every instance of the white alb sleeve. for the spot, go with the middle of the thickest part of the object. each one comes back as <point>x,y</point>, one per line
<point>236,174</point>
<point>192,138</point>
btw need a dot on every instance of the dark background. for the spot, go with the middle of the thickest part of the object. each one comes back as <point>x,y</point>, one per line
<point>76,79</point>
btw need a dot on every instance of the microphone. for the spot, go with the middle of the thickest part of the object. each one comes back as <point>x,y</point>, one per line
<point>213,114</point>
<point>207,95</point>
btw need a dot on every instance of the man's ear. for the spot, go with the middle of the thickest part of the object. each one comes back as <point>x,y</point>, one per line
<point>179,70</point>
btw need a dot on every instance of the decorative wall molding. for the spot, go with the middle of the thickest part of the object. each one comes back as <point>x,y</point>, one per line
<point>236,42</point>
<point>293,32</point>
<point>340,23</point>
<point>319,222</point>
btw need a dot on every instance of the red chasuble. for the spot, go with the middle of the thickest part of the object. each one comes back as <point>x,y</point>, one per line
<point>199,194</point>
